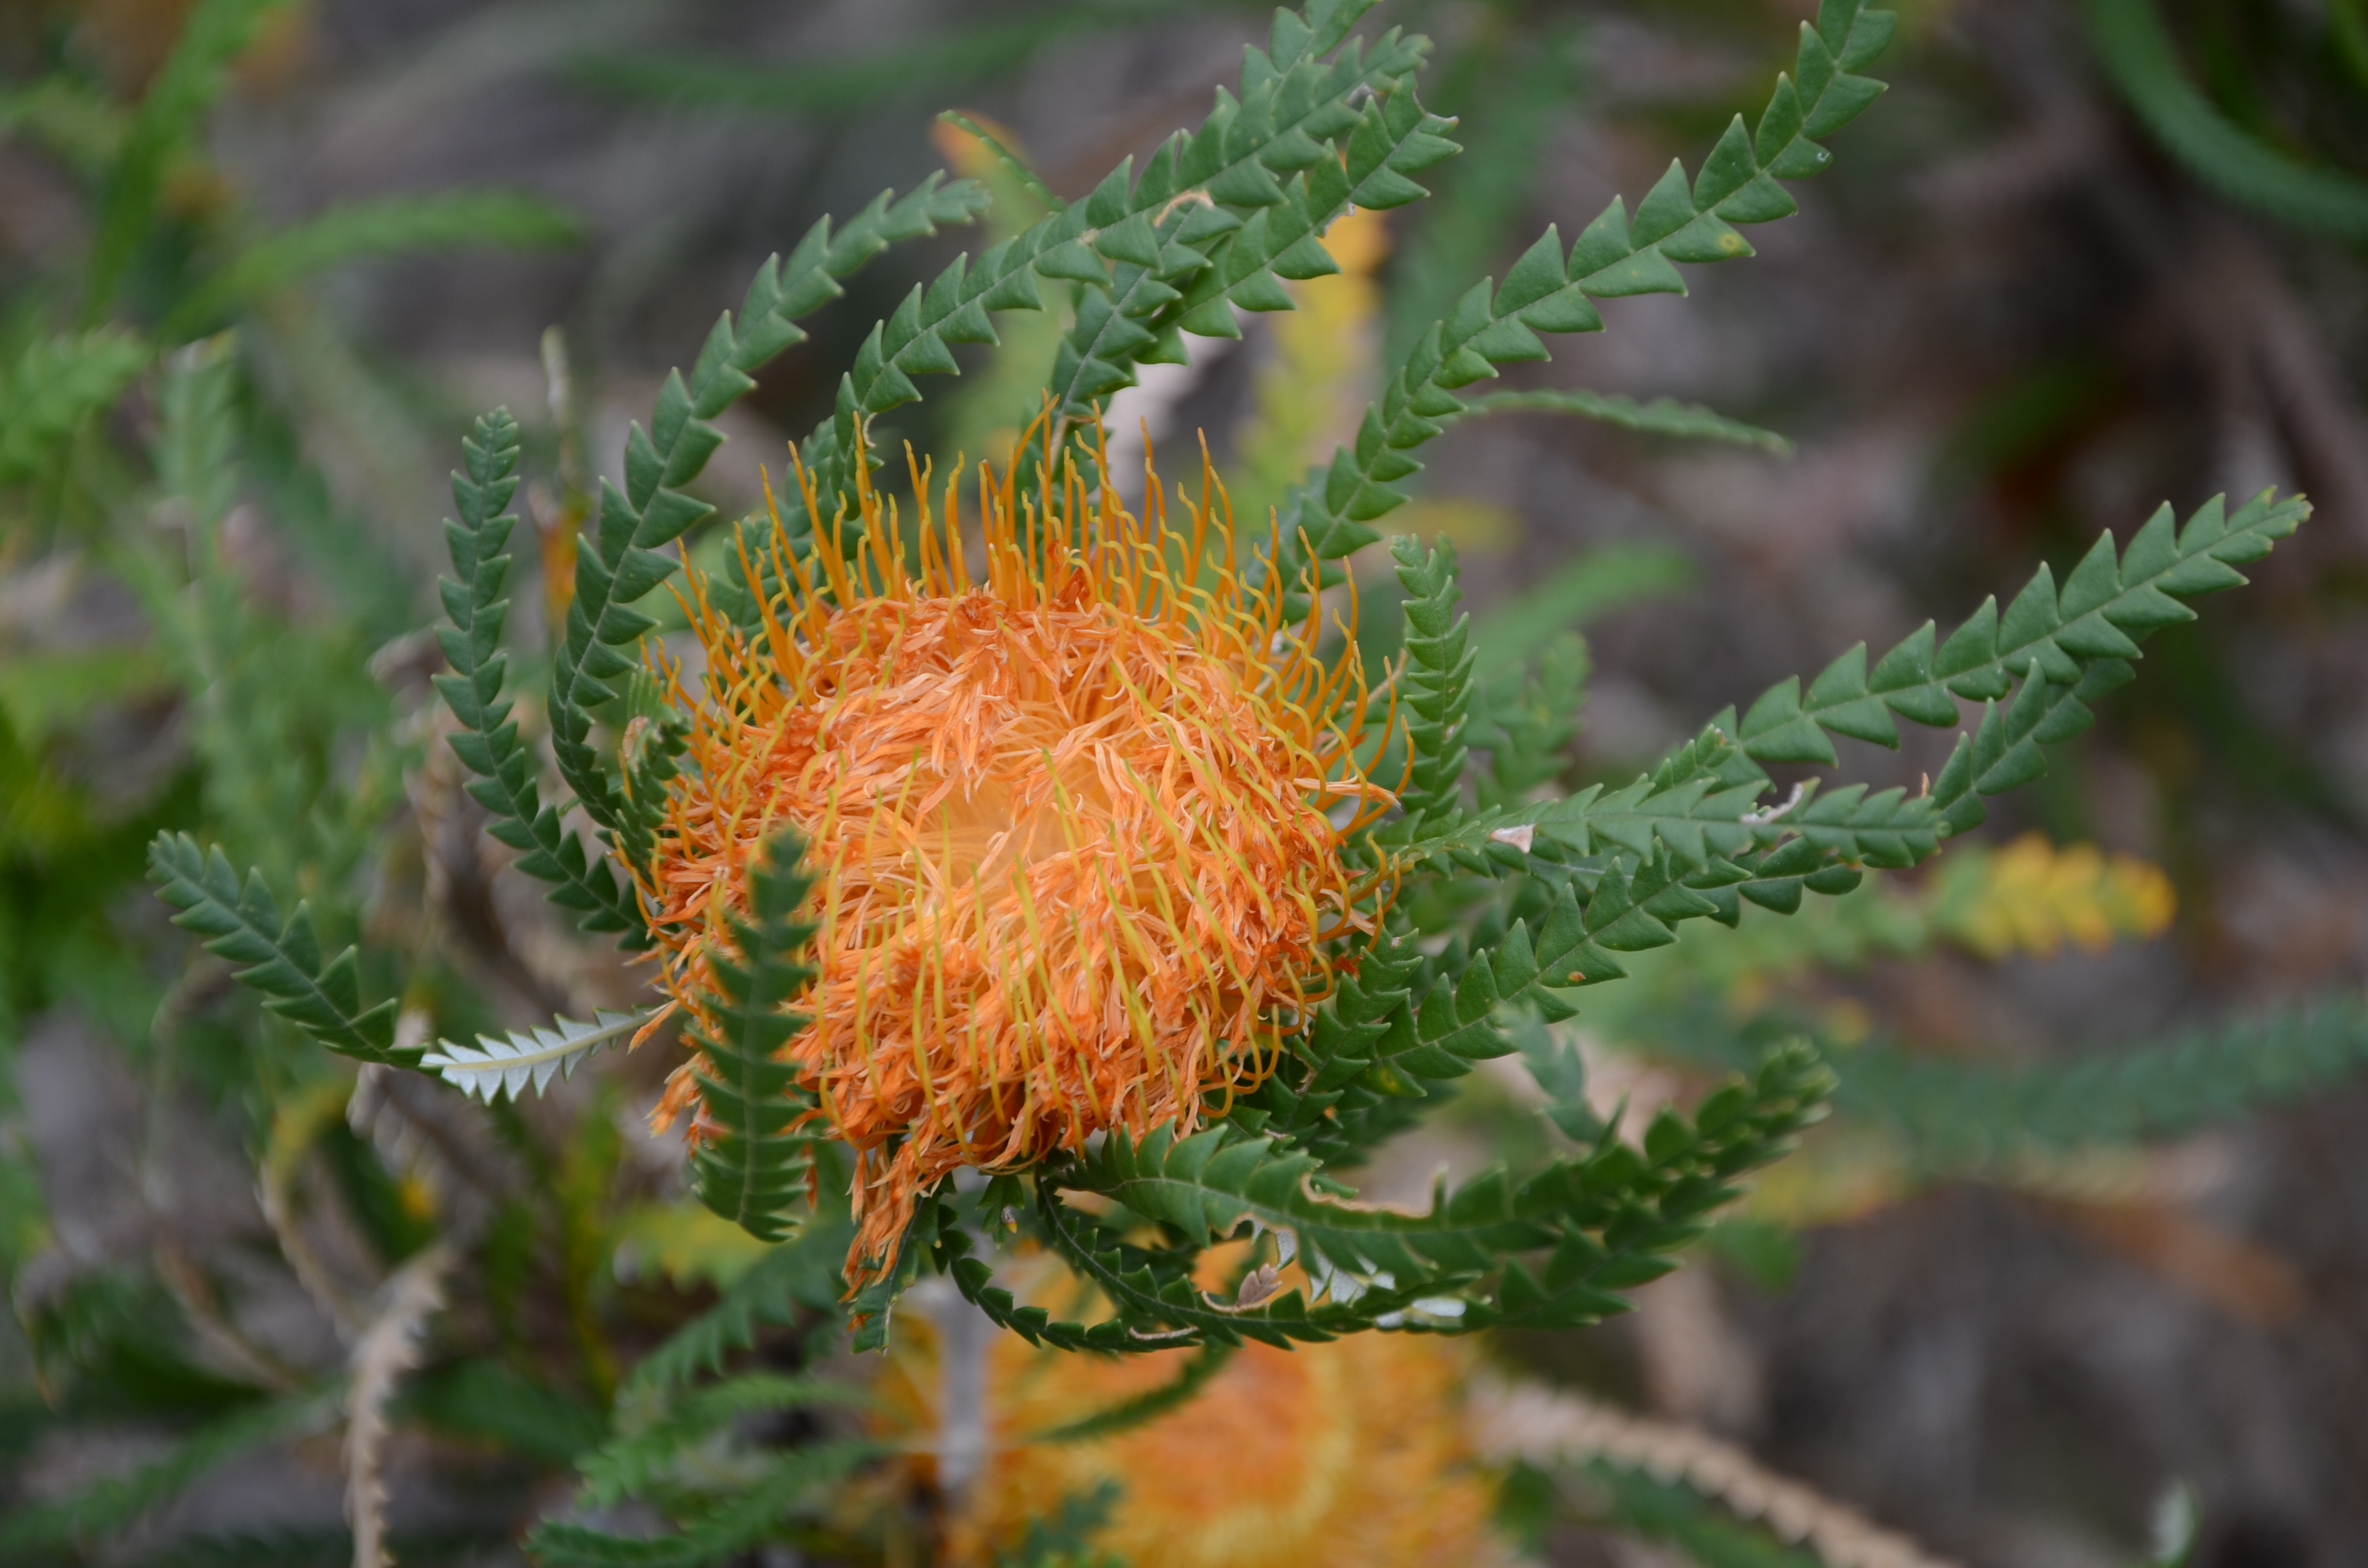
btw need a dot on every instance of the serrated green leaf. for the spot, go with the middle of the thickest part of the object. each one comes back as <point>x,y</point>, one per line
<point>279,959</point>
<point>492,1066</point>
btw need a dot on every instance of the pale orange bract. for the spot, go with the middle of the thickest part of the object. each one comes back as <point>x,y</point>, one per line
<point>1074,819</point>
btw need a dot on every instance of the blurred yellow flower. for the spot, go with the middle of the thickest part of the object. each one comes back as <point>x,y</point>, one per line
<point>2032,897</point>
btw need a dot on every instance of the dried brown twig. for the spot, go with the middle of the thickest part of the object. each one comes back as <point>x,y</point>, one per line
<point>1546,1426</point>
<point>387,1349</point>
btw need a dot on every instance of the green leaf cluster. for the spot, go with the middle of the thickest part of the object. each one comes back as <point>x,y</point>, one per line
<point>1549,291</point>
<point>2051,654</point>
<point>1549,1250</point>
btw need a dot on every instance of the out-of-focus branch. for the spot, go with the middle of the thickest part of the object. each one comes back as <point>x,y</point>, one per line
<point>1546,1426</point>
<point>388,1349</point>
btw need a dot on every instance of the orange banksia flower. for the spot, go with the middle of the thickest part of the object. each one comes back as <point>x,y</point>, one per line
<point>1352,1452</point>
<point>1077,811</point>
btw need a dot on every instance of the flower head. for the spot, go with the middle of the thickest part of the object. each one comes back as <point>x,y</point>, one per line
<point>1077,813</point>
<point>1354,1451</point>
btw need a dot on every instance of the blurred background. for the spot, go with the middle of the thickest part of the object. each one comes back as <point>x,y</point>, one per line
<point>2079,260</point>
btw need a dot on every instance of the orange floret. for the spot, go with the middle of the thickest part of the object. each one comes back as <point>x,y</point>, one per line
<point>1074,818</point>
